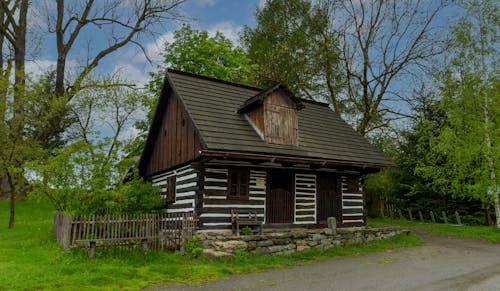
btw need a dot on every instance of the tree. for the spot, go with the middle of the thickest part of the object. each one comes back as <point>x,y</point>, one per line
<point>293,43</point>
<point>86,176</point>
<point>355,49</point>
<point>197,52</point>
<point>122,22</point>
<point>382,41</point>
<point>469,141</point>
<point>19,143</point>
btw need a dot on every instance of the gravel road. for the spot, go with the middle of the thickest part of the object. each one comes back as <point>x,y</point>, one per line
<point>440,264</point>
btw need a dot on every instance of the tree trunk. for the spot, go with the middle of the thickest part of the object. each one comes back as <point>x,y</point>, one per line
<point>12,201</point>
<point>487,214</point>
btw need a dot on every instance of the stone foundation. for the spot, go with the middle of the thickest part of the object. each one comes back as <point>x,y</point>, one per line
<point>276,242</point>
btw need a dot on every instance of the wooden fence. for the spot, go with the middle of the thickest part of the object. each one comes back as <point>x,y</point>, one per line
<point>165,231</point>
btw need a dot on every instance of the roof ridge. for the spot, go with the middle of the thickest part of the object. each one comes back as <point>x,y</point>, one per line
<point>175,71</point>
<point>315,102</point>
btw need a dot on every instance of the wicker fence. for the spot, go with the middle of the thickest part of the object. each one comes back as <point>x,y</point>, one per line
<point>166,231</point>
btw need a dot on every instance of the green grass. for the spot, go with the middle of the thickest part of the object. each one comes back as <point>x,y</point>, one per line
<point>488,233</point>
<point>30,259</point>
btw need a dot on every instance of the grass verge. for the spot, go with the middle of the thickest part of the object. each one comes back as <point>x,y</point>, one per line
<point>31,259</point>
<point>488,233</point>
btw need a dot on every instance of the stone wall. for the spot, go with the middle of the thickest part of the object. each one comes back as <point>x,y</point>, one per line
<point>223,243</point>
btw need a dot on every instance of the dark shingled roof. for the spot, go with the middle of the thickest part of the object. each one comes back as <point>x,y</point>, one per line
<point>213,105</point>
<point>259,98</point>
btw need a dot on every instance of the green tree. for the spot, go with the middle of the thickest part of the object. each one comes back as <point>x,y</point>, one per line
<point>86,176</point>
<point>197,52</point>
<point>293,43</point>
<point>468,146</point>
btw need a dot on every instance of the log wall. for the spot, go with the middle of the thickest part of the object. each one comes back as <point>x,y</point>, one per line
<point>216,208</point>
<point>186,187</point>
<point>352,201</point>
<point>305,199</point>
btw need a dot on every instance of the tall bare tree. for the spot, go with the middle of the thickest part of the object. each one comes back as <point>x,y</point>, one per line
<point>382,41</point>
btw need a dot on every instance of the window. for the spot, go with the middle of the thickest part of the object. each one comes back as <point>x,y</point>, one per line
<point>238,183</point>
<point>170,190</point>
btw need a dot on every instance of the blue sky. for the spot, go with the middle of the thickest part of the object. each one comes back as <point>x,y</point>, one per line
<point>226,16</point>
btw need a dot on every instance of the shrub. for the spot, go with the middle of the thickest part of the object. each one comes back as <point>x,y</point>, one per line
<point>193,247</point>
<point>246,231</point>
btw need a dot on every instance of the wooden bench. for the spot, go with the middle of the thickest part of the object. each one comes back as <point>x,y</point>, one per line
<point>246,218</point>
<point>111,242</point>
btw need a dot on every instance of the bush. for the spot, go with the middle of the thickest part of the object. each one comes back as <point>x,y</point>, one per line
<point>246,231</point>
<point>193,247</point>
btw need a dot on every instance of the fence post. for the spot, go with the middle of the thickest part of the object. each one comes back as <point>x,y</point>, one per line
<point>144,246</point>
<point>400,214</point>
<point>92,249</point>
<point>410,215</point>
<point>391,214</point>
<point>444,217</point>
<point>432,217</point>
<point>421,216</point>
<point>459,221</point>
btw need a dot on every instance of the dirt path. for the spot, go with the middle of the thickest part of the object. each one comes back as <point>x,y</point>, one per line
<point>440,264</point>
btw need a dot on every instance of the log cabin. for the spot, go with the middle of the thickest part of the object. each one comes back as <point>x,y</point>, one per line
<point>216,146</point>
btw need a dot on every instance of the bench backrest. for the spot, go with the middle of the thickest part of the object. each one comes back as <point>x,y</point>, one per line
<point>248,215</point>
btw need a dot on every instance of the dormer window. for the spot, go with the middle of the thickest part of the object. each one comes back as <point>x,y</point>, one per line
<point>273,114</point>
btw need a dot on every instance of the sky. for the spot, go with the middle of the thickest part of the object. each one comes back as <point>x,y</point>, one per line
<point>226,16</point>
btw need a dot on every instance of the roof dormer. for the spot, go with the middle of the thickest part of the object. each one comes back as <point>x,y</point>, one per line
<point>273,113</point>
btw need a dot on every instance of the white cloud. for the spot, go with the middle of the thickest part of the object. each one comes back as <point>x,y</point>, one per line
<point>228,28</point>
<point>35,69</point>
<point>155,48</point>
<point>130,73</point>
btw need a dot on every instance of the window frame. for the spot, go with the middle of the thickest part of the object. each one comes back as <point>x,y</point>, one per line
<point>242,174</point>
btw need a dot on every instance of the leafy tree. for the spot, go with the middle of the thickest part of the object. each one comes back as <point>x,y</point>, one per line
<point>85,177</point>
<point>18,136</point>
<point>293,43</point>
<point>465,155</point>
<point>197,52</point>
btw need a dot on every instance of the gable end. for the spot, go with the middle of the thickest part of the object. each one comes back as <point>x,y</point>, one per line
<point>173,138</point>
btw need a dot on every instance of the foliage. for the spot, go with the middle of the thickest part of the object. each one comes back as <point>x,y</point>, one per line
<point>293,44</point>
<point>193,247</point>
<point>487,233</point>
<point>463,158</point>
<point>247,230</point>
<point>197,52</point>
<point>86,176</point>
<point>31,259</point>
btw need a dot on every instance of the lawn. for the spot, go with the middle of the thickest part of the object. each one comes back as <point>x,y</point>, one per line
<point>488,233</point>
<point>30,259</point>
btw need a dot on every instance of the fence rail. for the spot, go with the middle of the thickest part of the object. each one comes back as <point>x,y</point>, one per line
<point>165,231</point>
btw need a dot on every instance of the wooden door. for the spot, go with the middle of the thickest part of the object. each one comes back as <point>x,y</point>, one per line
<point>280,206</point>
<point>327,197</point>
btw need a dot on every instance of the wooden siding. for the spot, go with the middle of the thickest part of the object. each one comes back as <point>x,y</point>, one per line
<point>177,140</point>
<point>280,119</point>
<point>257,117</point>
<point>305,199</point>
<point>186,186</point>
<point>216,210</point>
<point>352,201</point>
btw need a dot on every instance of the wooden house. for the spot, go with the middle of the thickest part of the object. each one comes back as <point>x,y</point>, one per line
<point>215,146</point>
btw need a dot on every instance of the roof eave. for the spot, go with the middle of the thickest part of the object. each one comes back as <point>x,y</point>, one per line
<point>368,167</point>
